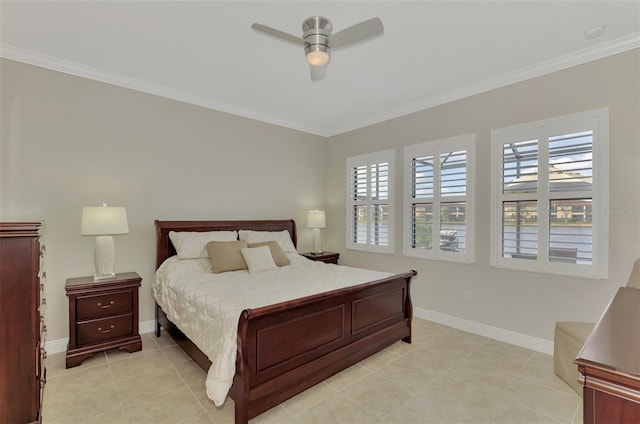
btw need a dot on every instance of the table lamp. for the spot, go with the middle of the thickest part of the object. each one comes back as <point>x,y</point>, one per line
<point>316,220</point>
<point>104,221</point>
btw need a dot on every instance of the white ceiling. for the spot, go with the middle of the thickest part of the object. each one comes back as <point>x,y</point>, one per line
<point>206,53</point>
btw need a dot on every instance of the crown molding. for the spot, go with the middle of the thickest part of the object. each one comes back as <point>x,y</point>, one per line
<point>11,52</point>
<point>619,45</point>
<point>579,57</point>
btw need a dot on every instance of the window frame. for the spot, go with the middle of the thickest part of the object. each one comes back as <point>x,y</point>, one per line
<point>368,160</point>
<point>597,121</point>
<point>466,142</point>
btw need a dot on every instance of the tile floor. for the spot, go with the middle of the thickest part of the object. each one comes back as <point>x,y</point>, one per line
<point>444,376</point>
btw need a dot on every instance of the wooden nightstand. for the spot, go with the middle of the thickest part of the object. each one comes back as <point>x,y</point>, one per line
<point>327,257</point>
<point>102,315</point>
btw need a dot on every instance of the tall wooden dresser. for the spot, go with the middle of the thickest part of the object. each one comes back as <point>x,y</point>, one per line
<point>22,353</point>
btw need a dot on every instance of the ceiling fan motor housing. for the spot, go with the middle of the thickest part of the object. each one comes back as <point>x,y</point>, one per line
<point>316,32</point>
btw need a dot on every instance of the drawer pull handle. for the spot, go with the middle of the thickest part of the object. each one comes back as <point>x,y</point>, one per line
<point>107,330</point>
<point>106,306</point>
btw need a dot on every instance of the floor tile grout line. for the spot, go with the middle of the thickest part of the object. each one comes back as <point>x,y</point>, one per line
<point>575,413</point>
<point>369,372</point>
<point>113,379</point>
<point>185,383</point>
<point>180,375</point>
<point>155,394</point>
<point>543,413</point>
<point>317,385</point>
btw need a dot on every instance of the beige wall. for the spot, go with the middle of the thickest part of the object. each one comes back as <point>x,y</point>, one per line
<point>523,302</point>
<point>69,142</point>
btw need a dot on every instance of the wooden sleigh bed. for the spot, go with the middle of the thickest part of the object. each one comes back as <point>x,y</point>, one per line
<point>285,348</point>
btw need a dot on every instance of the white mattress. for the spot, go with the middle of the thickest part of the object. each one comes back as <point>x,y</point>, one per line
<point>207,306</point>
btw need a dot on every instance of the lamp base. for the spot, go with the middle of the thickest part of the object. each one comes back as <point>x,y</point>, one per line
<point>317,242</point>
<point>104,257</point>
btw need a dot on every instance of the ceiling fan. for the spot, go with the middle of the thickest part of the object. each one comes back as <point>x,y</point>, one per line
<point>318,40</point>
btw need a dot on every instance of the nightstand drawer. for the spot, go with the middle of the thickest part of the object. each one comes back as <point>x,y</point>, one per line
<point>103,315</point>
<point>113,303</point>
<point>104,329</point>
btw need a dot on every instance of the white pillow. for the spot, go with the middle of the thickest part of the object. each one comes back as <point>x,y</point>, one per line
<point>282,237</point>
<point>193,244</point>
<point>258,259</point>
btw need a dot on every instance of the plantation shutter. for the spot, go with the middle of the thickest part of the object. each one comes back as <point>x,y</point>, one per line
<point>438,223</point>
<point>369,202</point>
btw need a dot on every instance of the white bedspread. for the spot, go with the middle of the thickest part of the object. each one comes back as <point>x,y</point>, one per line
<point>207,306</point>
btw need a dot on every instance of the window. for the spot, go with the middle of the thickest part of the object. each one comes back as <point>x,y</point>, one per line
<point>549,192</point>
<point>369,202</point>
<point>439,199</point>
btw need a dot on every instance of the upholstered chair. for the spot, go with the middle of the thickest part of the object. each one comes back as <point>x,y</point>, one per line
<point>569,336</point>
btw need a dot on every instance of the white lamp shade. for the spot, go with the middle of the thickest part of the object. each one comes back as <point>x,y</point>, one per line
<point>104,220</point>
<point>316,219</point>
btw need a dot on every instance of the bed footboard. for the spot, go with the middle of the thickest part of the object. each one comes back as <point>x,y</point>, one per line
<point>286,348</point>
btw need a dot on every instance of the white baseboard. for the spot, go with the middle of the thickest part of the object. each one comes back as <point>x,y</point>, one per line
<point>500,334</point>
<point>60,345</point>
<point>147,326</point>
<point>56,346</point>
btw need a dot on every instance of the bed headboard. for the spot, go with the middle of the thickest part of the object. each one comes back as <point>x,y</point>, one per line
<point>165,249</point>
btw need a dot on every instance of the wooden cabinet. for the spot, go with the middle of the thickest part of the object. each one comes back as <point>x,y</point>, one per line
<point>326,257</point>
<point>22,374</point>
<point>609,363</point>
<point>102,315</point>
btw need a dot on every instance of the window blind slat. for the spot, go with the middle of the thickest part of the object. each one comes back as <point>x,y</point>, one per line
<point>520,167</point>
<point>571,162</point>
<point>422,177</point>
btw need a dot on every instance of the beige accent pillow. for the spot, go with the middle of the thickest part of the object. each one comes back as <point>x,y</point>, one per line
<point>279,257</point>
<point>282,237</point>
<point>226,255</point>
<point>258,259</point>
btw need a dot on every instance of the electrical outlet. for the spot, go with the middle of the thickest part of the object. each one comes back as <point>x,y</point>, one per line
<point>468,295</point>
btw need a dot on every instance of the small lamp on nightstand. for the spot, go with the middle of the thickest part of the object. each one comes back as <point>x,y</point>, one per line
<point>316,220</point>
<point>103,222</point>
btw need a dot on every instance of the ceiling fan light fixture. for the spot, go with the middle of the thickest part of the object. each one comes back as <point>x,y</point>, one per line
<point>318,40</point>
<point>317,55</point>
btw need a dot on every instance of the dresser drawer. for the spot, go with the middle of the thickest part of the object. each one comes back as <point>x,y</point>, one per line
<point>103,305</point>
<point>99,330</point>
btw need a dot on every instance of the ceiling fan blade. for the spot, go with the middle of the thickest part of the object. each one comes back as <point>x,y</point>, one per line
<point>277,33</point>
<point>358,32</point>
<point>317,72</point>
